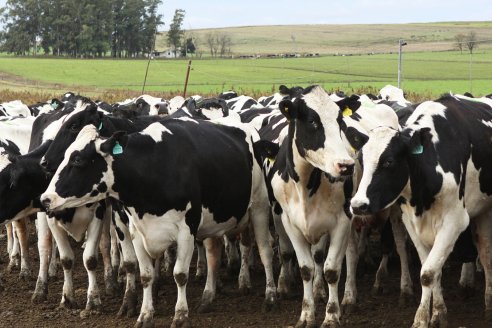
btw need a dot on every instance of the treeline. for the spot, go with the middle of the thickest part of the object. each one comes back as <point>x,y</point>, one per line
<point>79,28</point>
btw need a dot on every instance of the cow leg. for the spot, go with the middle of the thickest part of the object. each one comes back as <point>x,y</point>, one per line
<point>129,264</point>
<point>10,238</point>
<point>145,263</point>
<point>431,270</point>
<point>169,260</point>
<point>157,273</point>
<point>233,264</point>
<point>306,265</point>
<point>285,279</point>
<point>53,266</point>
<point>105,249</point>
<point>44,248</point>
<point>115,250</point>
<point>260,219</point>
<point>201,261</point>
<point>319,255</point>
<point>352,258</point>
<point>94,235</point>
<point>213,249</point>
<point>467,279</point>
<point>21,229</point>
<point>484,234</point>
<point>400,236</point>
<point>184,253</point>
<point>339,239</point>
<point>15,252</point>
<point>387,245</point>
<point>244,279</point>
<point>67,260</point>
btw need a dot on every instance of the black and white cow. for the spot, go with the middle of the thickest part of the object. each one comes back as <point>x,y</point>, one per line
<point>311,181</point>
<point>169,178</point>
<point>437,169</point>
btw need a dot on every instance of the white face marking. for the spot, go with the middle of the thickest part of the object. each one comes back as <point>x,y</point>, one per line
<point>85,136</point>
<point>333,151</point>
<point>379,140</point>
<point>155,131</point>
<point>4,160</point>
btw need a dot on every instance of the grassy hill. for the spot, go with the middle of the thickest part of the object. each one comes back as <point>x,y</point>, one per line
<point>331,39</point>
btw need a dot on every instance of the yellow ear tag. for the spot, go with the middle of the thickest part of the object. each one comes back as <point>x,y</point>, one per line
<point>286,109</point>
<point>271,160</point>
<point>347,112</point>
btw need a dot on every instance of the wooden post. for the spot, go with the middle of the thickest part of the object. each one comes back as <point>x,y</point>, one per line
<point>187,76</point>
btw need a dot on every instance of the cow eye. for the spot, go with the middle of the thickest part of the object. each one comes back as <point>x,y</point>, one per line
<point>77,161</point>
<point>74,127</point>
<point>313,123</point>
<point>388,163</point>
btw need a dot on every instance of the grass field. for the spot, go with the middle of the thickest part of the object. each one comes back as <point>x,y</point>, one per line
<point>427,68</point>
<point>434,72</point>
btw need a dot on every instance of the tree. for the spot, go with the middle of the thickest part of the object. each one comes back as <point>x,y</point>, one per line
<point>460,41</point>
<point>175,32</point>
<point>471,41</point>
<point>224,42</point>
<point>189,46</point>
<point>211,41</point>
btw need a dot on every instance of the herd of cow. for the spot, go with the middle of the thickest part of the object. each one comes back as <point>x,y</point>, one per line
<point>140,177</point>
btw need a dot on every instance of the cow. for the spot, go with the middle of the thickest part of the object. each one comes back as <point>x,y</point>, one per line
<point>436,169</point>
<point>311,179</point>
<point>207,200</point>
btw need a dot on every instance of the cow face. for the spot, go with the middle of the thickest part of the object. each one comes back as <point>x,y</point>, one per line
<point>67,134</point>
<point>315,130</point>
<point>85,174</point>
<point>21,182</point>
<point>386,161</point>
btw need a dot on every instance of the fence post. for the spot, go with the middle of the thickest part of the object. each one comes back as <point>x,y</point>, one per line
<point>401,43</point>
<point>186,80</point>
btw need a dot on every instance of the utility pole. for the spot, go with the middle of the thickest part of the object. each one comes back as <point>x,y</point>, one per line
<point>401,43</point>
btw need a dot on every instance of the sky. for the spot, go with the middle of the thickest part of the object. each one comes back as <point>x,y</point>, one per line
<point>226,13</point>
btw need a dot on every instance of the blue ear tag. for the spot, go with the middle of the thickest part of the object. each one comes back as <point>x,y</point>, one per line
<point>54,105</point>
<point>117,149</point>
<point>418,150</point>
<point>100,126</point>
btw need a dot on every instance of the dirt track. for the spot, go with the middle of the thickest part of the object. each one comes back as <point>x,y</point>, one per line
<point>230,308</point>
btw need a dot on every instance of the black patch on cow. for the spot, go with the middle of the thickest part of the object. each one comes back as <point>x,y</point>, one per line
<point>65,216</point>
<point>348,189</point>
<point>84,165</point>
<point>314,181</point>
<point>102,187</point>
<point>356,138</point>
<point>100,210</point>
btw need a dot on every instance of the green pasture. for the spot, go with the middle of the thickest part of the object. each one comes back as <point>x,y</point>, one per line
<point>430,72</point>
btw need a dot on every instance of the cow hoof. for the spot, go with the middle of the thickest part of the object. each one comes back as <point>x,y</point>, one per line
<point>269,306</point>
<point>145,324</point>
<point>38,298</point>
<point>330,324</point>
<point>111,288</point>
<point>68,303</point>
<point>200,277</point>
<point>25,275</point>
<point>129,305</point>
<point>406,299</point>
<point>183,322</point>
<point>84,314</point>
<point>244,290</point>
<point>488,315</point>
<point>348,308</point>
<point>204,308</point>
<point>439,321</point>
<point>305,324</point>
<point>377,291</point>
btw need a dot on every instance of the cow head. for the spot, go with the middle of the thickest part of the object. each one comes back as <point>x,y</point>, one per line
<point>386,158</point>
<point>21,182</point>
<point>315,131</point>
<point>85,174</point>
<point>68,133</point>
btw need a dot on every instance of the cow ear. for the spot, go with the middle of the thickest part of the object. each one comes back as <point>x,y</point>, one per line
<point>417,141</point>
<point>283,90</point>
<point>265,149</point>
<point>56,104</point>
<point>190,104</point>
<point>225,109</point>
<point>91,108</point>
<point>351,104</point>
<point>288,108</point>
<point>116,144</point>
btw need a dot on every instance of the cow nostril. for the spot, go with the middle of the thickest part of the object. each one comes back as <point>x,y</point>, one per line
<point>46,203</point>
<point>361,209</point>
<point>44,163</point>
<point>345,169</point>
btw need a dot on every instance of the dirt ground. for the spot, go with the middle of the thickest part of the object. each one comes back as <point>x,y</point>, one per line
<point>230,309</point>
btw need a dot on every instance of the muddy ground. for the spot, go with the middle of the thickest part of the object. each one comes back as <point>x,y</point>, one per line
<point>231,309</point>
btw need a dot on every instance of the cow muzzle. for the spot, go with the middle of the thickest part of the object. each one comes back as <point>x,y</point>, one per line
<point>345,168</point>
<point>50,201</point>
<point>359,207</point>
